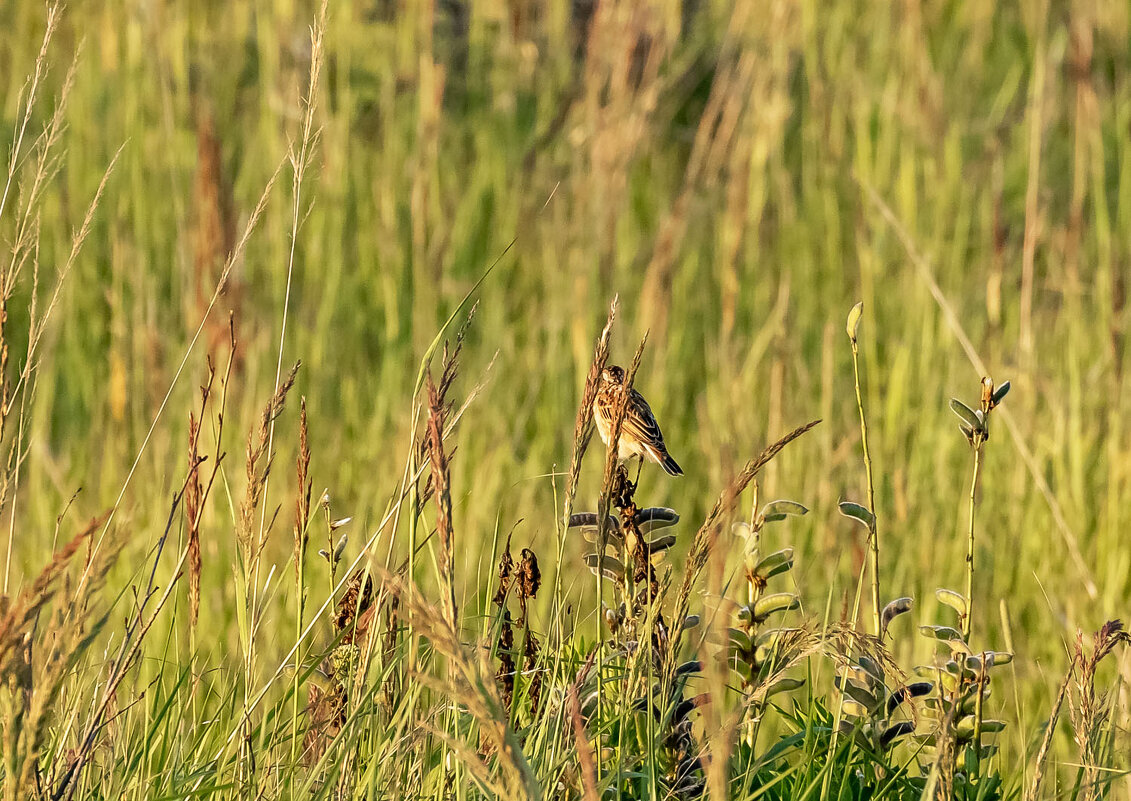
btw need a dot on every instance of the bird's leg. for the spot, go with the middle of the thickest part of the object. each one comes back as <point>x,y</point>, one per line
<point>639,467</point>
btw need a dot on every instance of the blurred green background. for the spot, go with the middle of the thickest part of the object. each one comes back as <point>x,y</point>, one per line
<point>709,161</point>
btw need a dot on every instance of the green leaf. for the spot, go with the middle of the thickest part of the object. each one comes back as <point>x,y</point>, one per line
<point>857,693</point>
<point>905,693</point>
<point>873,668</point>
<point>965,414</point>
<point>768,605</point>
<point>859,674</point>
<point>786,685</point>
<point>995,658</point>
<point>857,512</point>
<point>954,600</point>
<point>1000,393</point>
<point>740,639</point>
<point>944,633</point>
<point>586,523</point>
<point>779,510</point>
<point>775,563</point>
<point>853,323</point>
<point>895,731</point>
<point>965,728</point>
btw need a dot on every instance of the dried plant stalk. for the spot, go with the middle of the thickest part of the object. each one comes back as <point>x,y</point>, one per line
<point>583,426</point>
<point>441,482</point>
<point>194,499</point>
<point>259,466</point>
<point>302,500</point>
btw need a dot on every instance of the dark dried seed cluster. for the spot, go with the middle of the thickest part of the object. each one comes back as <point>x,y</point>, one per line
<point>526,580</point>
<point>355,601</point>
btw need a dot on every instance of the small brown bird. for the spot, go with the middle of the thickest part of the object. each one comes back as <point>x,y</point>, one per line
<point>640,434</point>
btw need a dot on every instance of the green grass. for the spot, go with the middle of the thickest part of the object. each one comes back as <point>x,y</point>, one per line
<point>962,168</point>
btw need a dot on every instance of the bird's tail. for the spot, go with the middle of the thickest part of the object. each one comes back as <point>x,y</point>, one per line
<point>670,466</point>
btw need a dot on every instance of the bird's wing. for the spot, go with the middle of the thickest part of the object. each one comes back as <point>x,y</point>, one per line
<point>640,423</point>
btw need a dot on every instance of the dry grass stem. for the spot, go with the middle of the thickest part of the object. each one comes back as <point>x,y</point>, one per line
<point>258,467</point>
<point>441,483</point>
<point>583,425</point>
<point>302,499</point>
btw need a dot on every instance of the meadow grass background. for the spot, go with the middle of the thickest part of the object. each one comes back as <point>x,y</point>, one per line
<point>721,166</point>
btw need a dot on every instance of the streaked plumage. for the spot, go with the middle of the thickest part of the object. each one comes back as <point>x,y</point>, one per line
<point>640,434</point>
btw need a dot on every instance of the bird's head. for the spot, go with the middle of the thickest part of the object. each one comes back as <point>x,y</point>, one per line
<point>613,375</point>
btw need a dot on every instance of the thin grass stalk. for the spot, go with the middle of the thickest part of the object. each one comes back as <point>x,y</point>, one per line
<point>391,514</point>
<point>54,11</point>
<point>968,618</point>
<point>287,659</point>
<point>584,752</point>
<point>26,244</point>
<point>137,629</point>
<point>300,161</point>
<point>1090,708</point>
<point>979,699</point>
<point>873,530</point>
<point>251,541</point>
<point>194,554</point>
<point>31,686</point>
<point>853,636</point>
<point>25,247</point>
<point>471,686</point>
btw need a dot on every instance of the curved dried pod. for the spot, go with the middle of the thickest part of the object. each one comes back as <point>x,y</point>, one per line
<point>655,517</point>
<point>896,731</point>
<point>586,524</point>
<point>693,666</point>
<point>661,544</point>
<point>914,690</point>
<point>893,610</point>
<point>611,567</point>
